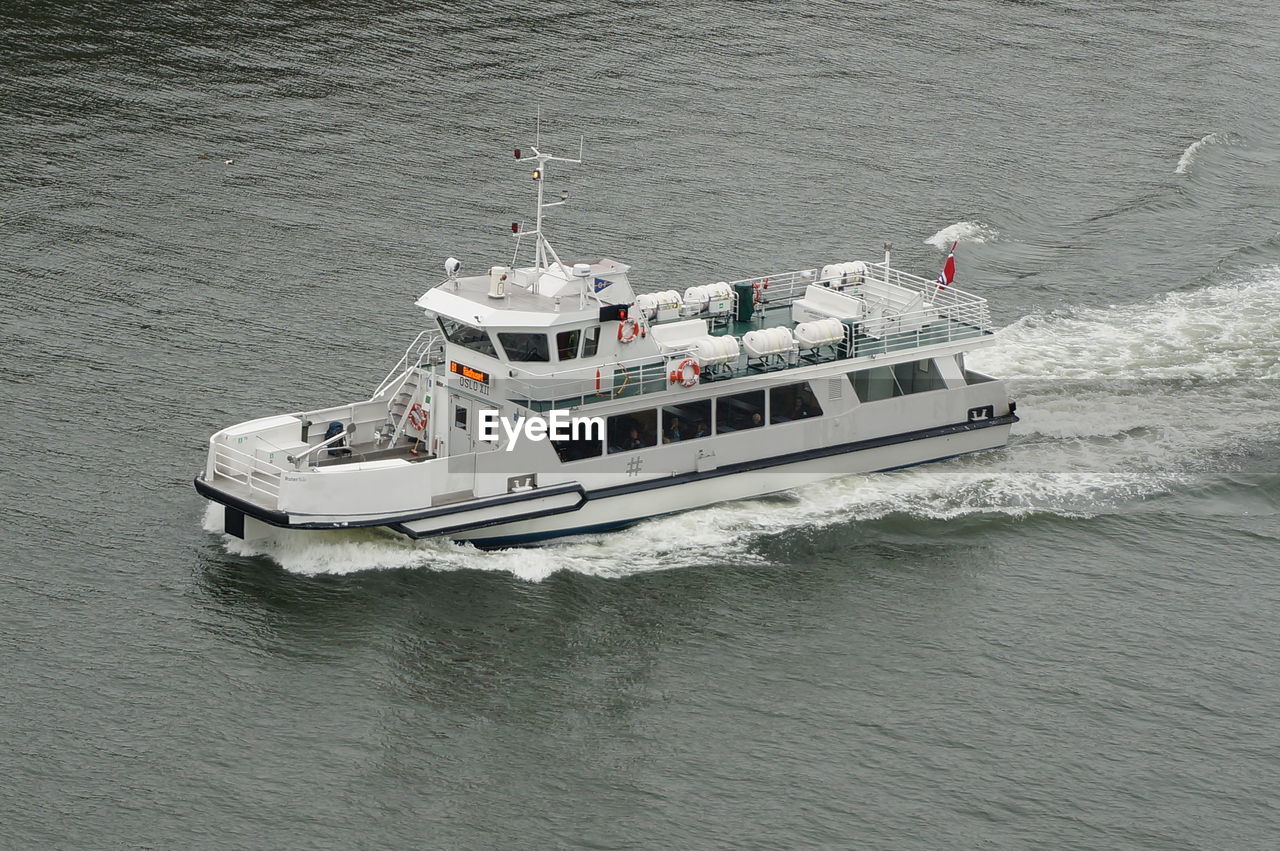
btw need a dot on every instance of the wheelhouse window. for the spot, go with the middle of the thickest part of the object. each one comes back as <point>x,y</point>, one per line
<point>524,347</point>
<point>792,402</point>
<point>468,336</point>
<point>633,430</point>
<point>686,422</point>
<point>591,341</point>
<point>567,344</point>
<point>740,411</point>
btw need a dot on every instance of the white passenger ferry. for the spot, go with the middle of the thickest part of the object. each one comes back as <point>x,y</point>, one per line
<point>552,399</point>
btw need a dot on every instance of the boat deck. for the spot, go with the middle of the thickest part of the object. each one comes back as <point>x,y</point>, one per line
<point>359,453</point>
<point>257,481</point>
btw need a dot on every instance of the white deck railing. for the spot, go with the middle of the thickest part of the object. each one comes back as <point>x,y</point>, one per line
<point>259,475</point>
<point>950,302</point>
<point>427,347</point>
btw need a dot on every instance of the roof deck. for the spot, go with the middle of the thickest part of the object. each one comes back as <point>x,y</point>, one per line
<point>909,313</point>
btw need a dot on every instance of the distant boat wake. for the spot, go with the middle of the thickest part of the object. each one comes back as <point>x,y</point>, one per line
<point>962,232</point>
<point>1189,156</point>
<point>1116,404</point>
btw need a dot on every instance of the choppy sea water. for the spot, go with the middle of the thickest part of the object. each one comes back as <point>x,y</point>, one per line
<point>215,212</point>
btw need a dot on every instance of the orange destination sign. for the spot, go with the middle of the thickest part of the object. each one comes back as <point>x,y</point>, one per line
<point>468,372</point>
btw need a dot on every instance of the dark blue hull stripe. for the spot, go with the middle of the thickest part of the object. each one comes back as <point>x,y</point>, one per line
<point>536,537</point>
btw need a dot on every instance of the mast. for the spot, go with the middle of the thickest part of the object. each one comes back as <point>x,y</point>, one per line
<point>543,253</point>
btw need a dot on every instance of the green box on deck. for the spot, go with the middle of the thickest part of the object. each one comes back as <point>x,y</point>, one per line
<point>746,301</point>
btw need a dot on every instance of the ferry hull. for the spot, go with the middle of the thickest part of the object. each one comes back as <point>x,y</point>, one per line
<point>571,509</point>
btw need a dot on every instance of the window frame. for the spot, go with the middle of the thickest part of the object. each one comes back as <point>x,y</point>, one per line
<point>572,447</point>
<point>591,341</point>
<point>798,390</point>
<point>568,351</point>
<point>648,438</point>
<point>929,372</point>
<point>509,347</point>
<point>686,419</point>
<point>479,335</point>
<point>763,411</point>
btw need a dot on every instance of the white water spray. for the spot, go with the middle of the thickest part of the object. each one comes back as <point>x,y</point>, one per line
<point>1188,158</point>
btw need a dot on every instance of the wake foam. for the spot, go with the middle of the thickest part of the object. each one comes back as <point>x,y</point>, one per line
<point>1188,158</point>
<point>655,545</point>
<point>1219,332</point>
<point>962,232</point>
<point>1117,404</point>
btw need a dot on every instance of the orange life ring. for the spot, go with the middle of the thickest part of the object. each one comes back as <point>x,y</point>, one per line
<point>417,417</point>
<point>686,373</point>
<point>628,329</point>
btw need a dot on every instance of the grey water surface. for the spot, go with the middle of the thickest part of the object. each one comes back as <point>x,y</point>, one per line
<point>215,211</point>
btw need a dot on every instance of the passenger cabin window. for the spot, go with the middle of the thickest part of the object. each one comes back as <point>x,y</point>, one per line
<point>875,384</point>
<point>919,376</point>
<point>567,344</point>
<point>633,430</point>
<point>887,382</point>
<point>585,441</point>
<point>524,347</point>
<point>591,342</point>
<point>740,411</point>
<point>468,336</point>
<point>793,402</point>
<point>686,422</point>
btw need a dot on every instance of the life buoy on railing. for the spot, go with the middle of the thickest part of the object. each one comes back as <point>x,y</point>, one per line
<point>757,290</point>
<point>686,373</point>
<point>417,417</point>
<point>628,330</point>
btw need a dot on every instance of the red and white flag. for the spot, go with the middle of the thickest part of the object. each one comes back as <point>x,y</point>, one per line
<point>949,268</point>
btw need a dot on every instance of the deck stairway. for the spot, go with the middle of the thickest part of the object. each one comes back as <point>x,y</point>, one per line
<point>401,402</point>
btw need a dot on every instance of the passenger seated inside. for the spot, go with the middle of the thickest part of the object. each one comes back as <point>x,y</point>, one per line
<point>673,434</point>
<point>637,430</point>
<point>793,402</point>
<point>740,411</point>
<point>686,421</point>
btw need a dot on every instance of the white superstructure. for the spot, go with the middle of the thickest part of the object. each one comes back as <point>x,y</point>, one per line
<point>688,395</point>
